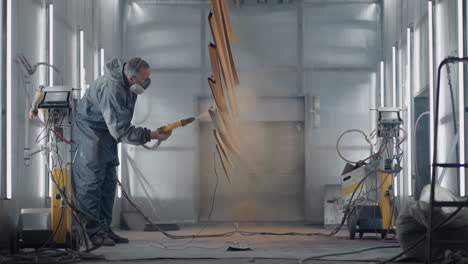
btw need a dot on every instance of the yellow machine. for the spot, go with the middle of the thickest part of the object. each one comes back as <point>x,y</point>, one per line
<point>367,186</point>
<point>61,215</point>
<point>52,227</point>
<point>386,202</point>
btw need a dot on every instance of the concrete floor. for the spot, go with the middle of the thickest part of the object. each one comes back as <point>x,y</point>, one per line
<point>153,247</point>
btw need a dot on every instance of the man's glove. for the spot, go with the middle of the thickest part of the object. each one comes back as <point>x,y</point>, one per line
<point>160,135</point>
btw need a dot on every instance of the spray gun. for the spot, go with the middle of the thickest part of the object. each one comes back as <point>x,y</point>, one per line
<point>170,127</point>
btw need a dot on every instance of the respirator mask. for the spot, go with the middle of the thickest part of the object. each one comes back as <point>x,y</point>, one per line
<point>139,88</point>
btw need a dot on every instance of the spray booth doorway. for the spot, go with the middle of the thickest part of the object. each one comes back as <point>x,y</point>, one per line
<point>267,185</point>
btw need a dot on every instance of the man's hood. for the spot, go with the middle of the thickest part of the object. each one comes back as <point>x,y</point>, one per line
<point>114,69</point>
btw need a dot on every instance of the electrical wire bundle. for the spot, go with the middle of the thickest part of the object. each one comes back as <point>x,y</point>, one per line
<point>53,124</point>
<point>48,256</point>
<point>384,148</point>
<point>30,71</point>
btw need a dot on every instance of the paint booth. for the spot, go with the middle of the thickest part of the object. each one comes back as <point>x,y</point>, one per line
<point>309,120</point>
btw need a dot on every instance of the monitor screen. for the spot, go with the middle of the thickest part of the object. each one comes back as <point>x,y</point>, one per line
<point>56,97</point>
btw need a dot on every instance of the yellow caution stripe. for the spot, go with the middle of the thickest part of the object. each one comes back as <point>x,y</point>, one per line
<point>347,190</point>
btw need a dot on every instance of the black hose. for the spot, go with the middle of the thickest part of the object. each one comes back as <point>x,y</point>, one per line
<point>55,231</point>
<point>346,253</point>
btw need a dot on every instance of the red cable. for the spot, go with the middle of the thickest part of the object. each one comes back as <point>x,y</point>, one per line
<point>62,137</point>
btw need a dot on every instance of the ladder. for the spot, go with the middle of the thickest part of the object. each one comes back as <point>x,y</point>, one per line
<point>431,242</point>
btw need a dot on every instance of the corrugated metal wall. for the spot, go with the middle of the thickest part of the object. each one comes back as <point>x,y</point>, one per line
<point>341,49</point>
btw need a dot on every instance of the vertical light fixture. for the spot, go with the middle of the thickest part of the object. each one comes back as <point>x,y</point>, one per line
<point>51,44</point>
<point>431,82</point>
<point>461,97</point>
<point>396,191</point>
<point>81,58</point>
<point>43,179</point>
<point>382,84</point>
<point>102,61</point>
<point>394,76</point>
<point>409,113</point>
<point>401,104</point>
<point>50,54</point>
<point>9,108</point>
<point>97,63</point>
<point>400,79</point>
<point>394,104</point>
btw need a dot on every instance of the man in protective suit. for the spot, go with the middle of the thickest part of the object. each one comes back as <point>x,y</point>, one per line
<point>103,119</point>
